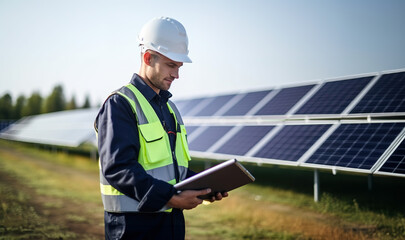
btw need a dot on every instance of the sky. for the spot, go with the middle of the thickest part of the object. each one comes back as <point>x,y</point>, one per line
<point>90,46</point>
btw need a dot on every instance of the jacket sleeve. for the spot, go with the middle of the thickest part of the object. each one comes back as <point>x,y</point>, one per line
<point>190,173</point>
<point>118,144</point>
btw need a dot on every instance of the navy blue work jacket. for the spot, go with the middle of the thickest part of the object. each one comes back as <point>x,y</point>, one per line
<point>118,145</point>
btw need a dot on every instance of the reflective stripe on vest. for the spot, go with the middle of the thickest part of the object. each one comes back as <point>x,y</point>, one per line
<point>157,163</point>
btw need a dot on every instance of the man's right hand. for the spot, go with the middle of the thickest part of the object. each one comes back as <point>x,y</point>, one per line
<point>187,199</point>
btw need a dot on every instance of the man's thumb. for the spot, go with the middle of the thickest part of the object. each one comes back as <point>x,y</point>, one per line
<point>205,191</point>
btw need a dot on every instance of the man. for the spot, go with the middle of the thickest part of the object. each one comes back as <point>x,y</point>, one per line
<point>143,146</point>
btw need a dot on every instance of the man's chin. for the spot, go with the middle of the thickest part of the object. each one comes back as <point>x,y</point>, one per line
<point>167,86</point>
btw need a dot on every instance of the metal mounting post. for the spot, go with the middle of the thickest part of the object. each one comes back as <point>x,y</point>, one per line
<point>316,185</point>
<point>370,182</point>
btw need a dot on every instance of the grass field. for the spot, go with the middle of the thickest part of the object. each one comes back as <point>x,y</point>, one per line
<point>50,195</point>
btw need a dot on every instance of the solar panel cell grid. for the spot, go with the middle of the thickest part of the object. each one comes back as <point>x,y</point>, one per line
<point>292,142</point>
<point>214,106</point>
<point>396,162</point>
<point>387,95</point>
<point>207,138</point>
<point>356,145</point>
<point>284,100</point>
<point>190,129</point>
<point>334,97</point>
<point>244,105</point>
<point>186,107</point>
<point>181,104</point>
<point>244,140</point>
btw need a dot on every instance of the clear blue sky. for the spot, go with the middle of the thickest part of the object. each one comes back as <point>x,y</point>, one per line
<point>90,46</point>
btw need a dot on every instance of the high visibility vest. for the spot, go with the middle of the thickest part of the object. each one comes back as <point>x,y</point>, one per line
<point>155,154</point>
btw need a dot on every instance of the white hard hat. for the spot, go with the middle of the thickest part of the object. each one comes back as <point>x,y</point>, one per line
<point>166,36</point>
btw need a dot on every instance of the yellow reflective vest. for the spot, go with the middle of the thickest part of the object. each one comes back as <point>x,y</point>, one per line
<point>155,154</point>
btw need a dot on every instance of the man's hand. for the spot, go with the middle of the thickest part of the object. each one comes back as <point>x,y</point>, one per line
<point>187,199</point>
<point>218,196</point>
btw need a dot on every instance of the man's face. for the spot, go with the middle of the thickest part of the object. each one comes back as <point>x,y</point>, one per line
<point>162,72</point>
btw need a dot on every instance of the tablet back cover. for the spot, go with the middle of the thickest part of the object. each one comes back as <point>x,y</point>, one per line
<point>223,177</point>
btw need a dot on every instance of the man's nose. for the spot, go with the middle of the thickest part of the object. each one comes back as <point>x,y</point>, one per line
<point>175,74</point>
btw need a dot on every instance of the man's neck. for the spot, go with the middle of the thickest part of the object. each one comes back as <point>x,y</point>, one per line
<point>146,80</point>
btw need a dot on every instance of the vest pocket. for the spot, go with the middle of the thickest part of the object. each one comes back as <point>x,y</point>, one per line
<point>183,147</point>
<point>155,147</point>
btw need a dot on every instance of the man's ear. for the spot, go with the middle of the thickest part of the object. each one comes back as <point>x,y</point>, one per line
<point>147,58</point>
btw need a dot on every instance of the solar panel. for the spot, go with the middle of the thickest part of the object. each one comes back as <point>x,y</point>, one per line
<point>357,146</point>
<point>334,97</point>
<point>190,129</point>
<point>186,107</point>
<point>65,128</point>
<point>396,162</point>
<point>292,141</point>
<point>180,104</point>
<point>244,140</point>
<point>207,138</point>
<point>284,100</point>
<point>214,105</point>
<point>387,95</point>
<point>245,104</point>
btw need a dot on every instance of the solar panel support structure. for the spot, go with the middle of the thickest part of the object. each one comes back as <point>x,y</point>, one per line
<point>370,182</point>
<point>316,185</point>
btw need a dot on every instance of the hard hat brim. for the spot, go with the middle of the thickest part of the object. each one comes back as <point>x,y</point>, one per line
<point>172,56</point>
<point>177,57</point>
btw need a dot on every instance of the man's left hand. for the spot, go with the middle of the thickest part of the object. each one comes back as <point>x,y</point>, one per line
<point>218,196</point>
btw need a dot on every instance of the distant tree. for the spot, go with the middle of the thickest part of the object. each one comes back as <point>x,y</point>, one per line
<point>6,106</point>
<point>34,105</point>
<point>18,107</point>
<point>55,101</point>
<point>71,104</point>
<point>87,102</point>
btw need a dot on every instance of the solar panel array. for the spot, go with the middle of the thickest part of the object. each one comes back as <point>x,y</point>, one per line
<point>66,128</point>
<point>351,124</point>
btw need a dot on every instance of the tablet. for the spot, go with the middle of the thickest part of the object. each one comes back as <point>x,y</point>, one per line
<point>223,177</point>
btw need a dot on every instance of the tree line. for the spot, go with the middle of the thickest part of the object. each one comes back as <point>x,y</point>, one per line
<point>36,104</point>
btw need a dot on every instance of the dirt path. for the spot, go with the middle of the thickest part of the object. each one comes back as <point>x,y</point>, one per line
<point>83,218</point>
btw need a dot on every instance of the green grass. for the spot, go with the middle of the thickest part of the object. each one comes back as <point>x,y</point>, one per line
<point>46,195</point>
<point>19,219</point>
<point>379,213</point>
<point>53,180</point>
<point>345,195</point>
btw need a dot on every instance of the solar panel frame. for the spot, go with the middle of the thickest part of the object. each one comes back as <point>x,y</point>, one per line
<point>394,164</point>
